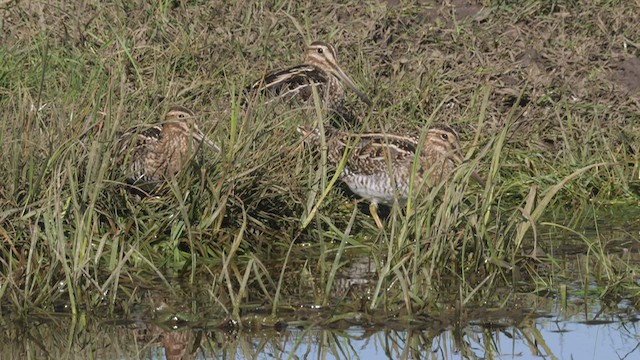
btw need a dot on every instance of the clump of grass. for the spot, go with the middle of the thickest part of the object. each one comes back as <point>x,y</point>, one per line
<point>265,222</point>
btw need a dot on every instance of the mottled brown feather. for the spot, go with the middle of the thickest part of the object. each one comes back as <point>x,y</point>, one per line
<point>320,69</point>
<point>154,153</point>
<point>379,166</point>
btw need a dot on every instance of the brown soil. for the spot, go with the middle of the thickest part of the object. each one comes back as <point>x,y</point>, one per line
<point>626,73</point>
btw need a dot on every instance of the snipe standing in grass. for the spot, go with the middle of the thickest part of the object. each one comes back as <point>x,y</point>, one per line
<point>152,154</point>
<point>320,69</point>
<point>379,166</point>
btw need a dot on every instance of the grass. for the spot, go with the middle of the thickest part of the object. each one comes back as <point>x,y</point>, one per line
<point>265,222</point>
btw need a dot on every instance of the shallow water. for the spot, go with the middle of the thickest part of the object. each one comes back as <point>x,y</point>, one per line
<point>580,332</point>
<point>583,322</point>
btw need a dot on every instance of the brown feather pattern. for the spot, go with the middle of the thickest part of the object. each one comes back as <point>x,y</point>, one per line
<point>158,152</point>
<point>320,69</point>
<point>379,166</point>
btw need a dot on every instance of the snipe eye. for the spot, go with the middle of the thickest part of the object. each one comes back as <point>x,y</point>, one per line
<point>444,136</point>
<point>320,50</point>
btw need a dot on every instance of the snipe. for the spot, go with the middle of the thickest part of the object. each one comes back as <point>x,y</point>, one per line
<point>379,166</point>
<point>153,154</point>
<point>320,69</point>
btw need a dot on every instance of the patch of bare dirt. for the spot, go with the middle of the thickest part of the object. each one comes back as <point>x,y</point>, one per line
<point>626,73</point>
<point>464,9</point>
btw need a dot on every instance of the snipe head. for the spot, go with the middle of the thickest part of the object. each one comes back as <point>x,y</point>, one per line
<point>324,56</point>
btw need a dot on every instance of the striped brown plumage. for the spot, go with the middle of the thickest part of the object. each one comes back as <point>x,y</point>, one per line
<point>155,153</point>
<point>320,69</point>
<point>379,166</point>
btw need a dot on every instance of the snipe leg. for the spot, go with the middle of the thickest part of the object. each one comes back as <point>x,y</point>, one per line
<point>373,209</point>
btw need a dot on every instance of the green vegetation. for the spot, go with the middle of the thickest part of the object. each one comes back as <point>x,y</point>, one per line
<point>542,94</point>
